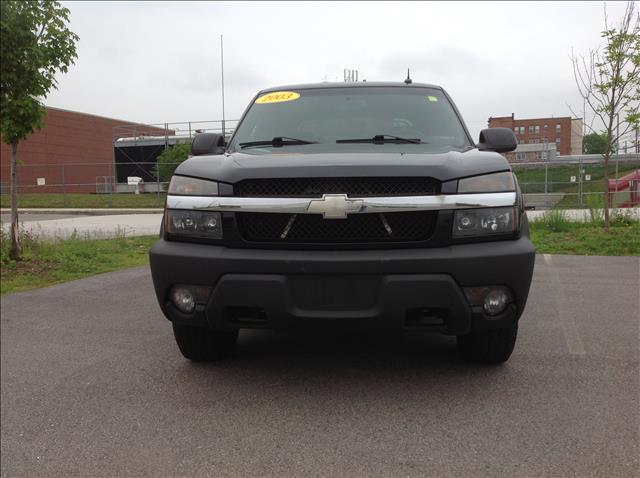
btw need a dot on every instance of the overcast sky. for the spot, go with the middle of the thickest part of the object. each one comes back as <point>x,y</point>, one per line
<point>160,62</point>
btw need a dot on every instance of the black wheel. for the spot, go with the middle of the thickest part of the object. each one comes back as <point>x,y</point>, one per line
<point>204,345</point>
<point>488,346</point>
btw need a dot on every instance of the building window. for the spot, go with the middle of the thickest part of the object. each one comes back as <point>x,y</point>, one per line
<point>531,129</point>
<point>558,128</point>
<point>521,156</point>
<point>515,130</point>
<point>558,141</point>
<point>546,127</point>
<point>537,129</point>
<point>542,155</point>
<point>521,129</point>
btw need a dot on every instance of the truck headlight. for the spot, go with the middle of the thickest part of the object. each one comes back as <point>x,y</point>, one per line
<point>185,186</point>
<point>488,183</point>
<point>204,224</point>
<point>484,222</point>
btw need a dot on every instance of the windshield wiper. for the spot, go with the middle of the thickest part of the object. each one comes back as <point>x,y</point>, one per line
<point>383,138</point>
<point>277,142</point>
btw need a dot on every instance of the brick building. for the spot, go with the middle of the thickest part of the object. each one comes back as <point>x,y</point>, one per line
<point>71,153</point>
<point>565,133</point>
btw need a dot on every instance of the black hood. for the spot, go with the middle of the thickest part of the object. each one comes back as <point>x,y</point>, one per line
<point>231,168</point>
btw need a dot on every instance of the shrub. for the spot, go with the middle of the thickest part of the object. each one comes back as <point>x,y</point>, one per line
<point>623,218</point>
<point>556,220</point>
<point>170,159</point>
<point>596,212</point>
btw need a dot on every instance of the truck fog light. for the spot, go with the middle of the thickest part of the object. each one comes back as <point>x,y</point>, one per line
<point>495,301</point>
<point>186,297</point>
<point>183,299</point>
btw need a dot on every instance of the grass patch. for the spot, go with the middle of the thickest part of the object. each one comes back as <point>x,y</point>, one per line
<point>78,200</point>
<point>590,239</point>
<point>48,263</point>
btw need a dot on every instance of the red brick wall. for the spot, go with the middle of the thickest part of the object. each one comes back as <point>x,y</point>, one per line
<point>501,122</point>
<point>563,148</point>
<point>70,151</point>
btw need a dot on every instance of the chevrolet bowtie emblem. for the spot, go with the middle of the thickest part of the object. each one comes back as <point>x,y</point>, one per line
<point>335,206</point>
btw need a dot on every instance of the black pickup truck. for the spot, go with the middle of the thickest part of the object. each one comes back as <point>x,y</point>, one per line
<point>346,205</point>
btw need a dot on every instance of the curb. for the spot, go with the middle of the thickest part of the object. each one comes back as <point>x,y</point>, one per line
<point>85,211</point>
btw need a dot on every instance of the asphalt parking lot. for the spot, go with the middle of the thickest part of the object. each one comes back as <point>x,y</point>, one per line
<point>93,385</point>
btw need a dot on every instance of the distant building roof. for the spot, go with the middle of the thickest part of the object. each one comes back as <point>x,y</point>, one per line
<point>150,141</point>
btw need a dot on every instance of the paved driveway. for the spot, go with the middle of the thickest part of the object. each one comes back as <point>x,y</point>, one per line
<point>93,385</point>
<point>61,226</point>
<point>31,217</point>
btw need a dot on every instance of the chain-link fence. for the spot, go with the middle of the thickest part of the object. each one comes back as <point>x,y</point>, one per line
<point>564,184</point>
<point>577,183</point>
<point>180,130</point>
<point>90,185</point>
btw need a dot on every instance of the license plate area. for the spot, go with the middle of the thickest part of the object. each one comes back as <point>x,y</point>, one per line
<point>335,292</point>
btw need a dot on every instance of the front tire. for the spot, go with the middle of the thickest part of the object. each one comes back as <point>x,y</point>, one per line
<point>200,344</point>
<point>488,346</point>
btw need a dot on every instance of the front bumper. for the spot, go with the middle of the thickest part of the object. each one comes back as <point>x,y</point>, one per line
<point>361,288</point>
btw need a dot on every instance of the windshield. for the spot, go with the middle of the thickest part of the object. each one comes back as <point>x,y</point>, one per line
<point>384,118</point>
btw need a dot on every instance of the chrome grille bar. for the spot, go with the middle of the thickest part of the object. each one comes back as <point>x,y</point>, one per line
<point>343,204</point>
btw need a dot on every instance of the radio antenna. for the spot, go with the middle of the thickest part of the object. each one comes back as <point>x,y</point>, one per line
<point>408,81</point>
<point>222,73</point>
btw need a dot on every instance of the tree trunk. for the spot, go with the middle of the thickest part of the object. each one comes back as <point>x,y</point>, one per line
<point>15,243</point>
<point>607,196</point>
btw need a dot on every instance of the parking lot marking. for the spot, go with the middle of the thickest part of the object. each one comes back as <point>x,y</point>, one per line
<point>568,324</point>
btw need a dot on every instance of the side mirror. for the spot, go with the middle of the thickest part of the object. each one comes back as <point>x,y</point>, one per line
<point>207,143</point>
<point>500,140</point>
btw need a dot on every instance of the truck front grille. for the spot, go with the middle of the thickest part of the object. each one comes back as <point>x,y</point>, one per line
<point>316,187</point>
<point>356,228</point>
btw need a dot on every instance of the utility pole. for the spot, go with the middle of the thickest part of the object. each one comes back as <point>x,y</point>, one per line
<point>222,73</point>
<point>546,171</point>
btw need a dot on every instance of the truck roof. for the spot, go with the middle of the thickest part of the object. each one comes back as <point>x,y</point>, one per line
<point>361,84</point>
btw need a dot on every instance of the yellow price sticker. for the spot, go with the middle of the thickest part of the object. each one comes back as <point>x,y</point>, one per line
<point>278,97</point>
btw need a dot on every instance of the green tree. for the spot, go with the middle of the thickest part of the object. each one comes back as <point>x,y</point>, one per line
<point>608,80</point>
<point>170,159</point>
<point>594,143</point>
<point>35,45</point>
